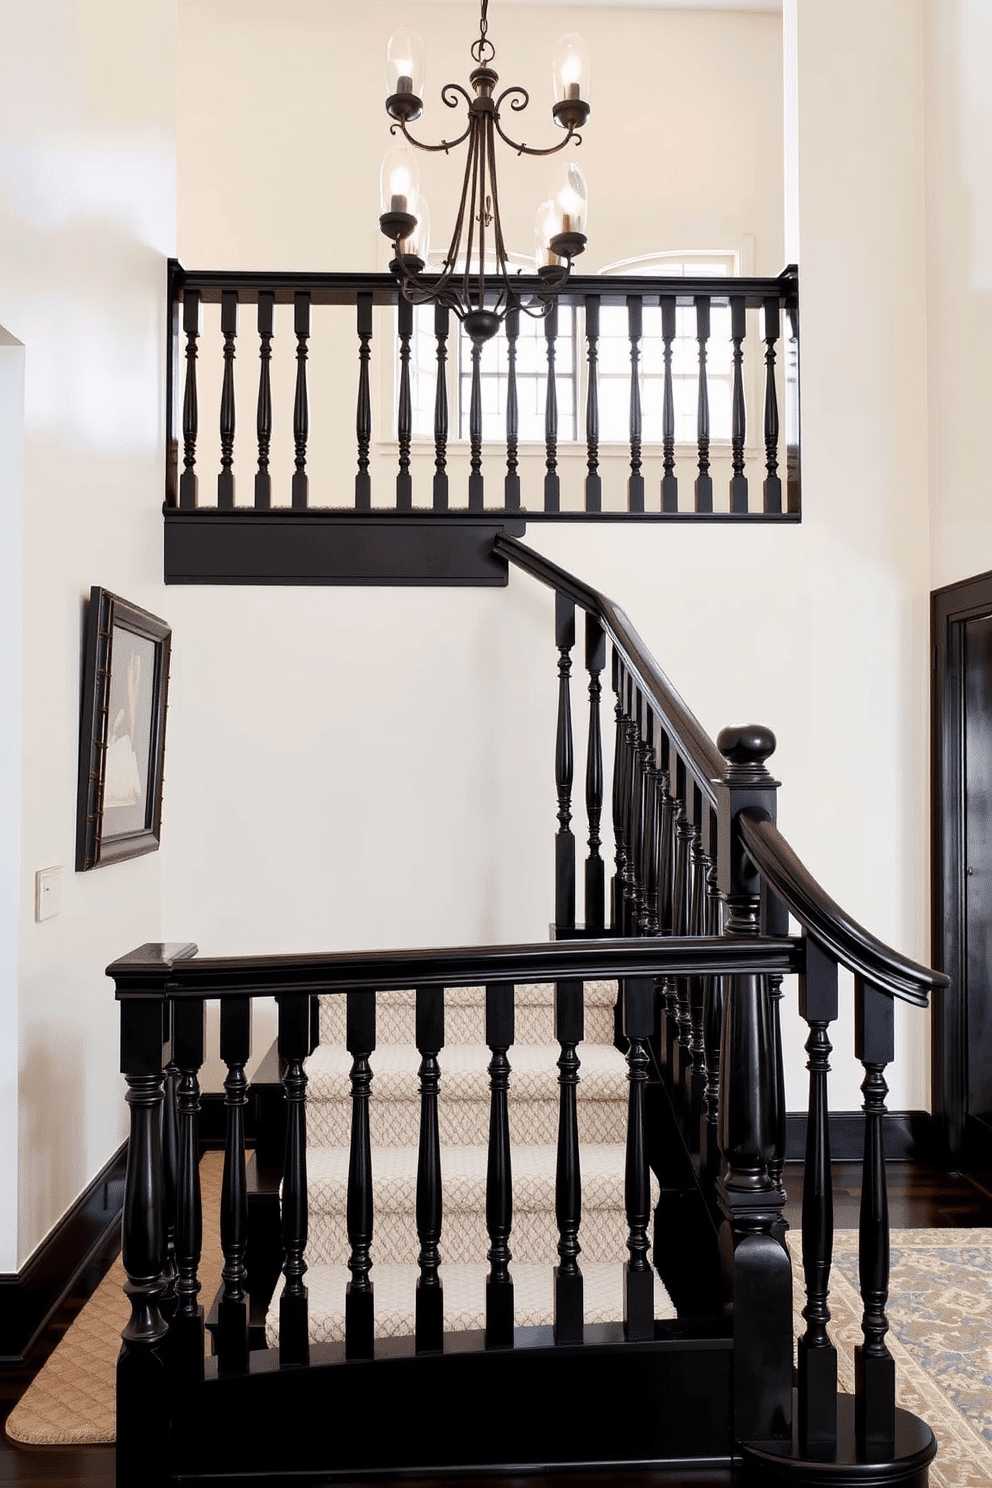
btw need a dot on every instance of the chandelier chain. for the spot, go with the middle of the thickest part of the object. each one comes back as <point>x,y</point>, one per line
<point>483,50</point>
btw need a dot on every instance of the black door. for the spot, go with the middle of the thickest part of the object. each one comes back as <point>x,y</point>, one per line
<point>962,869</point>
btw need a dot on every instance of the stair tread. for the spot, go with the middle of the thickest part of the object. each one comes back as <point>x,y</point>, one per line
<point>463,1176</point>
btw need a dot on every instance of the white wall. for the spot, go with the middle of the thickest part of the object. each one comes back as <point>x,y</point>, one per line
<point>87,120</point>
<point>958,39</point>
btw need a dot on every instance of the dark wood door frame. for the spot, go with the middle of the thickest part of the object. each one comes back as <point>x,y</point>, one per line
<point>950,608</point>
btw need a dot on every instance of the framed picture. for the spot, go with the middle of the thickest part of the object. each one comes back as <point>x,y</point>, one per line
<point>121,732</point>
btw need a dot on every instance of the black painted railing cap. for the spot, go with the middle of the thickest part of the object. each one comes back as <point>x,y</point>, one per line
<point>847,942</point>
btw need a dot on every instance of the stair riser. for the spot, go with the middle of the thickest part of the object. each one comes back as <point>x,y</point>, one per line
<point>462,1025</point>
<point>397,1123</point>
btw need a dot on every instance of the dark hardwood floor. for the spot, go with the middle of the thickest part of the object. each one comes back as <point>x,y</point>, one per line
<point>919,1197</point>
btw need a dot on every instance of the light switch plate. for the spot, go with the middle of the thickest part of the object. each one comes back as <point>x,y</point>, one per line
<point>47,893</point>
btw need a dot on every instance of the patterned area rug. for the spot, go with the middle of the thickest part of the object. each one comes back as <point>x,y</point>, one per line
<point>940,1310</point>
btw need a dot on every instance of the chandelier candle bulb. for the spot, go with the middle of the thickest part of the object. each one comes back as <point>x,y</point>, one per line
<point>571,82</point>
<point>404,74</point>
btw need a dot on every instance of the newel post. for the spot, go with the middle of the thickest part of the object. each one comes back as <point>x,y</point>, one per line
<point>756,1267</point>
<point>142,1376</point>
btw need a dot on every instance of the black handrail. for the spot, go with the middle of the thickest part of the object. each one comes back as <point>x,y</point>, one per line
<point>691,739</point>
<point>831,926</point>
<point>189,975</point>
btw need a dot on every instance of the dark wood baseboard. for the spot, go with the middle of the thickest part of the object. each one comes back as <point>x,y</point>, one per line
<point>29,1298</point>
<point>908,1136</point>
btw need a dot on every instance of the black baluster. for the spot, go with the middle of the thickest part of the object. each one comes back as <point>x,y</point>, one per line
<point>301,406</point>
<point>511,486</point>
<point>756,1267</point>
<point>476,480</point>
<point>738,432</point>
<point>772,488</point>
<point>666,834</point>
<point>430,1292</point>
<point>639,808</point>
<point>817,1355</point>
<point>792,470</point>
<point>191,328</point>
<point>696,1066</point>
<point>235,1048</point>
<point>594,481</point>
<point>638,1277</point>
<point>404,412</point>
<point>631,804</point>
<point>564,840</point>
<point>681,904</point>
<point>569,1031</point>
<point>359,1318</point>
<point>648,903</point>
<point>187,1327</point>
<point>441,322</point>
<point>619,755</point>
<point>263,413</point>
<point>595,895</point>
<point>142,1396</point>
<point>775,922</point>
<point>874,1366</point>
<point>704,481</point>
<point>552,483</point>
<point>669,481</point>
<point>635,483</point>
<point>709,1147</point>
<point>229,330</point>
<point>363,416</point>
<point>499,1177</point>
<point>170,1167</point>
<point>294,1046</point>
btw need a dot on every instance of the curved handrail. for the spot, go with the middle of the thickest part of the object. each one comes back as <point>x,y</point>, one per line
<point>690,738</point>
<point>829,925</point>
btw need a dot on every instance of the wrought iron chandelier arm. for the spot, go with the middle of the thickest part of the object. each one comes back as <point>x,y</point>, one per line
<point>573,134</point>
<point>445,145</point>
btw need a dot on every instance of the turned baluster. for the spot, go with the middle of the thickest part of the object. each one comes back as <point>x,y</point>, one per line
<point>643,810</point>
<point>619,840</point>
<point>564,840</point>
<point>191,327</point>
<point>476,480</point>
<point>738,431</point>
<point>552,483</point>
<point>638,1276</point>
<point>595,895</point>
<point>170,1168</point>
<point>499,1177</point>
<point>232,1324</point>
<point>632,803</point>
<point>301,404</point>
<point>359,1317</point>
<point>440,490</point>
<point>635,481</point>
<point>404,411</point>
<point>429,1326</point>
<point>263,410</point>
<point>681,904</point>
<point>229,330</point>
<point>188,1026</point>
<point>775,921</point>
<point>695,1081</point>
<point>569,1031</point>
<point>669,480</point>
<point>772,487</point>
<point>874,1366</point>
<point>363,416</point>
<point>756,1267</point>
<point>511,484</point>
<point>294,1046</point>
<point>652,829</point>
<point>817,1355</point>
<point>792,471</point>
<point>666,835</point>
<point>594,481</point>
<point>141,1381</point>
<point>704,481</point>
<point>709,1148</point>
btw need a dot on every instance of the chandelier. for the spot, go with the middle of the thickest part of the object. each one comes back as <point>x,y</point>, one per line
<point>480,300</point>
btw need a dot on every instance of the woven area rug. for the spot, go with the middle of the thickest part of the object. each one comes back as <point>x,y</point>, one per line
<point>940,1309</point>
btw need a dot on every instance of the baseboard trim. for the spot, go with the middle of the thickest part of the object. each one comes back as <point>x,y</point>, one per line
<point>29,1298</point>
<point>907,1136</point>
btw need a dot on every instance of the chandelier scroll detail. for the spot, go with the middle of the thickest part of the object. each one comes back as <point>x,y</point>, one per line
<point>481,296</point>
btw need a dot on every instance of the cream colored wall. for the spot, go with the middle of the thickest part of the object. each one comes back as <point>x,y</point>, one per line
<point>87,108</point>
<point>958,40</point>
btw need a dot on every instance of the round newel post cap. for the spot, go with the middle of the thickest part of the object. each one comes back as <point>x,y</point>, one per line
<point>745,747</point>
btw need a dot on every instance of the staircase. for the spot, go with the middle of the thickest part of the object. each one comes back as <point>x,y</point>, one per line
<point>463,1120</point>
